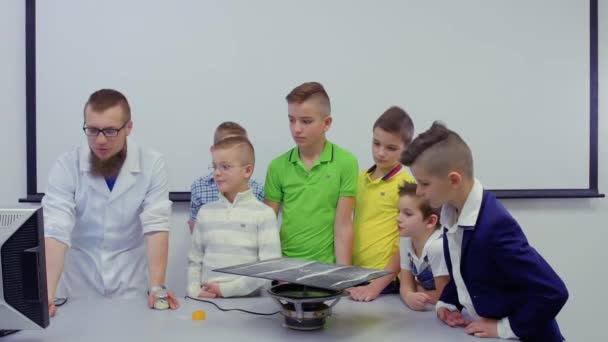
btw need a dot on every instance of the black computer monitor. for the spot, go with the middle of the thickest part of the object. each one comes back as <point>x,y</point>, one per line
<point>23,292</point>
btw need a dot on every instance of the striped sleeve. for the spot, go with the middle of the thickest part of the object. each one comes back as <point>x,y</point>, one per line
<point>269,241</point>
<point>195,263</point>
<point>269,246</point>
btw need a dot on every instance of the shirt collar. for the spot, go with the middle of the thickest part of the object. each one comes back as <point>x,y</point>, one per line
<point>240,198</point>
<point>437,234</point>
<point>392,173</point>
<point>470,210</point>
<point>208,178</point>
<point>131,164</point>
<point>327,154</point>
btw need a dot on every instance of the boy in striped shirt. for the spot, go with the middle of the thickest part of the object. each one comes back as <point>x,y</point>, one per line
<point>235,229</point>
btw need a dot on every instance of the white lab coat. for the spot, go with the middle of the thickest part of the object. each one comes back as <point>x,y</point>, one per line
<point>105,230</point>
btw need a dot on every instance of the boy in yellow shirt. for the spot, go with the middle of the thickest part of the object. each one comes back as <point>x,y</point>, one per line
<point>376,237</point>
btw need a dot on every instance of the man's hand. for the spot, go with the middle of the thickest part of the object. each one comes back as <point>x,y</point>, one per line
<point>483,327</point>
<point>417,300</point>
<point>452,318</point>
<point>52,308</point>
<point>363,293</point>
<point>212,288</point>
<point>172,300</point>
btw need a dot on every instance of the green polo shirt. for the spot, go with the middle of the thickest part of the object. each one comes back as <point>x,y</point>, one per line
<point>310,198</point>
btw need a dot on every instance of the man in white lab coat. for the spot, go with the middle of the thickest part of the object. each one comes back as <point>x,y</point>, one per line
<point>106,212</point>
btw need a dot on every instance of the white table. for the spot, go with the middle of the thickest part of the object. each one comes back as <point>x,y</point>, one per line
<point>385,319</point>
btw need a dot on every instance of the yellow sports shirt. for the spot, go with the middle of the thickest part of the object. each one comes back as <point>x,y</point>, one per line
<point>376,236</point>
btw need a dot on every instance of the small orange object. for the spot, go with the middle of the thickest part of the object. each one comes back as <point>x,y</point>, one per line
<point>198,315</point>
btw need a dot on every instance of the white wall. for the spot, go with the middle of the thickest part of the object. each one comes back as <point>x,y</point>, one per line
<point>12,101</point>
<point>568,233</point>
<point>218,62</point>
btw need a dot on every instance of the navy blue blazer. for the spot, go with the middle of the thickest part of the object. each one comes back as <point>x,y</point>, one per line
<point>506,277</point>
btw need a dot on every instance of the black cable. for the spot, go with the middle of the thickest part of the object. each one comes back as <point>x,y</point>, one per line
<point>60,301</point>
<point>241,310</point>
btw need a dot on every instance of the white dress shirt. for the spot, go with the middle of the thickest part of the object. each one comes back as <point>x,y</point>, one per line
<point>456,224</point>
<point>105,229</point>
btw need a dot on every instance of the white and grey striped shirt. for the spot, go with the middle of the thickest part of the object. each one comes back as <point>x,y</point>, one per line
<point>229,234</point>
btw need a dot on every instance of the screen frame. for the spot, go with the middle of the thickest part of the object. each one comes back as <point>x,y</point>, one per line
<point>591,191</point>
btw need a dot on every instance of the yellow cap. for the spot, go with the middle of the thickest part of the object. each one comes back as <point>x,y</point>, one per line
<point>198,315</point>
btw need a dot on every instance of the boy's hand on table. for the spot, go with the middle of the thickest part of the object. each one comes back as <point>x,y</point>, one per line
<point>212,288</point>
<point>363,293</point>
<point>206,294</point>
<point>483,327</point>
<point>417,300</point>
<point>452,318</point>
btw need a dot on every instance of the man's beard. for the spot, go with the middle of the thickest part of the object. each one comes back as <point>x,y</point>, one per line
<point>110,167</point>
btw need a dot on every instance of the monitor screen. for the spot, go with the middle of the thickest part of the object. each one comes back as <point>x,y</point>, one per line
<point>23,292</point>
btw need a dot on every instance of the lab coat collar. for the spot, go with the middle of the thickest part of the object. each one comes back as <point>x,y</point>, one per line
<point>132,163</point>
<point>126,177</point>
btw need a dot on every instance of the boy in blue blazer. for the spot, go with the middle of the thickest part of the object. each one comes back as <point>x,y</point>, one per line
<point>507,289</point>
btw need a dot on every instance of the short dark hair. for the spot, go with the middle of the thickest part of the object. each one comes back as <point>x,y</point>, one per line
<point>396,120</point>
<point>228,128</point>
<point>441,151</point>
<point>409,189</point>
<point>310,91</point>
<point>104,99</point>
<point>246,150</point>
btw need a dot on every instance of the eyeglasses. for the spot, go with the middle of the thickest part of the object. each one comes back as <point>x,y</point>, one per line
<point>107,132</point>
<point>223,167</point>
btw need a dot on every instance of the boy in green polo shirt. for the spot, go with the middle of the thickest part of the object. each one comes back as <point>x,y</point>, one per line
<point>315,183</point>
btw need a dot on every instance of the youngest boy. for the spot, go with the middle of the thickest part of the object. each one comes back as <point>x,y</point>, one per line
<point>424,273</point>
<point>235,229</point>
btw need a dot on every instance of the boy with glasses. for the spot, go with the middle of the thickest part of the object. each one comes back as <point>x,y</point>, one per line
<point>203,189</point>
<point>235,229</point>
